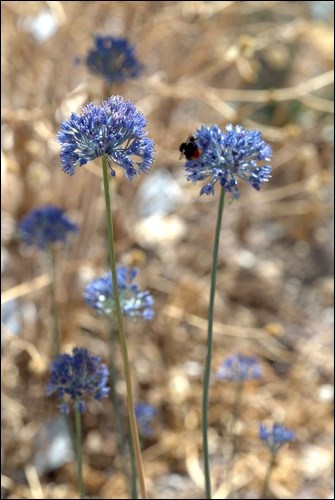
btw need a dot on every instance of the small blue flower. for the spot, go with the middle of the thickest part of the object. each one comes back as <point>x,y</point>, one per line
<point>99,294</point>
<point>144,415</point>
<point>239,368</point>
<point>114,59</point>
<point>75,376</point>
<point>237,153</point>
<point>45,225</point>
<point>276,437</point>
<point>115,130</point>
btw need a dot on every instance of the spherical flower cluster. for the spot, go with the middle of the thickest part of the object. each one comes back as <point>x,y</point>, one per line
<point>99,294</point>
<point>225,157</point>
<point>113,58</point>
<point>75,376</point>
<point>44,226</point>
<point>239,368</point>
<point>276,437</point>
<point>114,130</point>
<point>144,415</point>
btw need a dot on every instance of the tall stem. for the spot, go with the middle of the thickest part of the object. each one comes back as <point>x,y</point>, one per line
<point>54,319</point>
<point>123,344</point>
<point>268,475</point>
<point>79,453</point>
<point>132,468</point>
<point>209,348</point>
<point>118,418</point>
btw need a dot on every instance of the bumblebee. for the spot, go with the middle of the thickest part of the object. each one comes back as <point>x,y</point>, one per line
<point>189,149</point>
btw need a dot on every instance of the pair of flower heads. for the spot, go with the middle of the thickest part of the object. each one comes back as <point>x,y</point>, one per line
<point>117,130</point>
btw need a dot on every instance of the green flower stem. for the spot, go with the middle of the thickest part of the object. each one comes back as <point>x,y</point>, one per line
<point>115,399</point>
<point>209,348</point>
<point>134,493</point>
<point>79,453</point>
<point>123,344</point>
<point>268,475</point>
<point>118,417</point>
<point>54,319</point>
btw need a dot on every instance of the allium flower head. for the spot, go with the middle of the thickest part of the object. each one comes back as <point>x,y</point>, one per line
<point>144,415</point>
<point>239,368</point>
<point>113,58</point>
<point>76,375</point>
<point>99,294</point>
<point>45,225</point>
<point>225,157</point>
<point>276,437</point>
<point>115,130</point>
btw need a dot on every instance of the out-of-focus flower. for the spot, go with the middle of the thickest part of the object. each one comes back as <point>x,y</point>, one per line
<point>76,375</point>
<point>45,225</point>
<point>276,437</point>
<point>114,59</point>
<point>225,157</point>
<point>239,368</point>
<point>145,413</point>
<point>99,294</point>
<point>114,130</point>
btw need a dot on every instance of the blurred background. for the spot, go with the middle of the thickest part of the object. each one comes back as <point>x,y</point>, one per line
<point>264,65</point>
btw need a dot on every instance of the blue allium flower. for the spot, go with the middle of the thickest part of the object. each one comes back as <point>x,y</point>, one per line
<point>75,376</point>
<point>114,59</point>
<point>45,225</point>
<point>239,368</point>
<point>115,130</point>
<point>225,157</point>
<point>144,416</point>
<point>99,294</point>
<point>276,437</point>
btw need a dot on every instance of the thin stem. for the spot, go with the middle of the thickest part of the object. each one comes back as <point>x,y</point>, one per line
<point>54,318</point>
<point>134,493</point>
<point>118,418</point>
<point>268,475</point>
<point>79,453</point>
<point>209,347</point>
<point>115,399</point>
<point>123,344</point>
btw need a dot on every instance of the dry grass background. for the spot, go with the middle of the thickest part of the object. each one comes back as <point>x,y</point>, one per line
<point>265,65</point>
